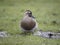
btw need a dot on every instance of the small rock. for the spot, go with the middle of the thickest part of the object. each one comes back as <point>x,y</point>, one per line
<point>47,34</point>
<point>3,34</point>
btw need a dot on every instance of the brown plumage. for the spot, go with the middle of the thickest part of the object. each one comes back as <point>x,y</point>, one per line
<point>28,22</point>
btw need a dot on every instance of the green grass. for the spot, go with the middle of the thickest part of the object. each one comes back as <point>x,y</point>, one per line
<point>28,40</point>
<point>12,11</point>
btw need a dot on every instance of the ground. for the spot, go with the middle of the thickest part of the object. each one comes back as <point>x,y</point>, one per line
<point>46,12</point>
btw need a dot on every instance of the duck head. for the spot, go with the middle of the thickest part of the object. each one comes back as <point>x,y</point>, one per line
<point>29,13</point>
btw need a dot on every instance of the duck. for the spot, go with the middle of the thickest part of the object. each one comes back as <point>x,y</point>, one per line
<point>28,22</point>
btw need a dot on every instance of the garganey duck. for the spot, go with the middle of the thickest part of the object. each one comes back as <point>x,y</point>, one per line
<point>28,23</point>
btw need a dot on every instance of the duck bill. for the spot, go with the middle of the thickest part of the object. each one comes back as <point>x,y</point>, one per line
<point>32,16</point>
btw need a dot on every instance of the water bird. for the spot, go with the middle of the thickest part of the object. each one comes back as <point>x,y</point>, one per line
<point>28,22</point>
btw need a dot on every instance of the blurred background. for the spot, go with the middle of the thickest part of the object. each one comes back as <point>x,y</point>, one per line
<point>46,12</point>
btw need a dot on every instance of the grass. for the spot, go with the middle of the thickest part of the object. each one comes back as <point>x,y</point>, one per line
<point>45,11</point>
<point>28,40</point>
